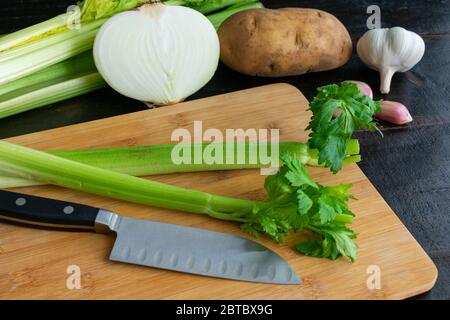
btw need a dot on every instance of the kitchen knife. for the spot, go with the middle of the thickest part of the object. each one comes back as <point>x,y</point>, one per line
<point>155,244</point>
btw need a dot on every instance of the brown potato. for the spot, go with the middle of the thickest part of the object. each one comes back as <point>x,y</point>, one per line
<point>284,42</point>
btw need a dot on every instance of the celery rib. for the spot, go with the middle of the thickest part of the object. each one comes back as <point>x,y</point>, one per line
<point>63,80</point>
<point>22,36</point>
<point>7,182</point>
<point>33,46</point>
<point>43,56</point>
<point>55,170</point>
<point>157,159</point>
<point>68,69</point>
<point>51,94</point>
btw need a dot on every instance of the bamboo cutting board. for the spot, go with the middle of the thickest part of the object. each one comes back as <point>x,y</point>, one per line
<point>35,263</point>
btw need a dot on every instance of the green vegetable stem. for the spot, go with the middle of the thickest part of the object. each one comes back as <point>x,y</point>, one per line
<point>157,159</point>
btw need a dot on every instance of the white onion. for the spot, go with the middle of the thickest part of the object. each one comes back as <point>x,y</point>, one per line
<point>157,54</point>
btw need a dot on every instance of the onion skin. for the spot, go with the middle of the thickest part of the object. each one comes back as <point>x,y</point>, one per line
<point>394,112</point>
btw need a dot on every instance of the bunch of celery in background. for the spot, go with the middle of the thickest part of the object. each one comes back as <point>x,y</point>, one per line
<point>52,61</point>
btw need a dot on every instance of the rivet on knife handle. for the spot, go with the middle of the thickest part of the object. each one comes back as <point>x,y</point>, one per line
<point>36,211</point>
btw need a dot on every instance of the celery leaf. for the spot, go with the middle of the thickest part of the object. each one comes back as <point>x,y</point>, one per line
<point>99,9</point>
<point>330,135</point>
<point>295,202</point>
<point>333,241</point>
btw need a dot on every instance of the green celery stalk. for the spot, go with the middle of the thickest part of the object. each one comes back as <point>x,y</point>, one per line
<point>53,93</point>
<point>7,182</point>
<point>39,30</point>
<point>157,159</point>
<point>44,167</point>
<point>36,56</point>
<point>37,45</point>
<point>61,81</point>
<point>68,69</point>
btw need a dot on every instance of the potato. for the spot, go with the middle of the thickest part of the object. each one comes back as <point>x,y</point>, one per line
<point>284,42</point>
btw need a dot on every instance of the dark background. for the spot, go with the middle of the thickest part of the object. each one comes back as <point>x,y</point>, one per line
<point>410,166</point>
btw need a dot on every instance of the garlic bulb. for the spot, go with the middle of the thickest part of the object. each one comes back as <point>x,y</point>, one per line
<point>157,54</point>
<point>389,51</point>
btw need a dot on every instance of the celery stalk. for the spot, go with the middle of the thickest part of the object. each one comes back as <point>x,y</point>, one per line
<point>53,93</point>
<point>25,35</point>
<point>47,52</point>
<point>61,81</point>
<point>55,170</point>
<point>157,159</point>
<point>68,69</point>
<point>33,46</point>
<point>8,181</point>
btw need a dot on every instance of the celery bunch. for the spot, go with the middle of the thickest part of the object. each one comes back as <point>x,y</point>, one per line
<point>51,61</point>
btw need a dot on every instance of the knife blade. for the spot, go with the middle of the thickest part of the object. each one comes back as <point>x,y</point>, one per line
<point>155,244</point>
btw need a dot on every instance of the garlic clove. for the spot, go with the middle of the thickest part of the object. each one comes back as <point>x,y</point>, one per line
<point>363,87</point>
<point>391,111</point>
<point>394,112</point>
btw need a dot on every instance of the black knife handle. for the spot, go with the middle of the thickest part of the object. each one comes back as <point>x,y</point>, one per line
<point>42,212</point>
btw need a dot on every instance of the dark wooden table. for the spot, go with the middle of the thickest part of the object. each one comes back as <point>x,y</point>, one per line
<point>410,166</point>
